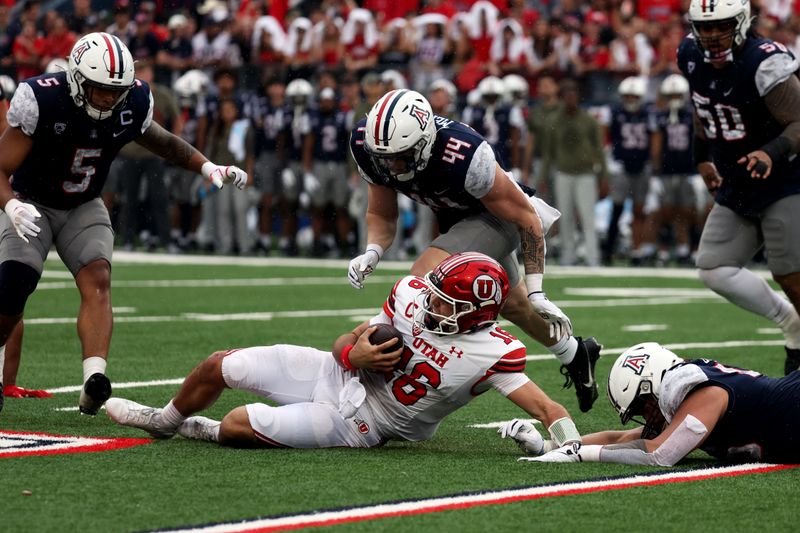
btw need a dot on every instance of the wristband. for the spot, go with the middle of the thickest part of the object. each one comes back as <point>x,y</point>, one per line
<point>345,358</point>
<point>207,168</point>
<point>564,431</point>
<point>534,282</point>
<point>377,248</point>
<point>778,149</point>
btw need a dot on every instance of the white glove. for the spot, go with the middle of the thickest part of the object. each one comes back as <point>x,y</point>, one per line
<point>560,324</point>
<point>288,179</point>
<point>363,265</point>
<point>222,175</point>
<point>23,216</point>
<point>566,454</point>
<point>524,434</point>
<point>310,183</point>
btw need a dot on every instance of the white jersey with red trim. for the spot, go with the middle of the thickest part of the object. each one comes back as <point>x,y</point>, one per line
<point>437,374</point>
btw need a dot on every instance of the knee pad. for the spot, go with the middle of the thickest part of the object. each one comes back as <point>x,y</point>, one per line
<point>17,282</point>
<point>719,279</point>
<point>235,369</point>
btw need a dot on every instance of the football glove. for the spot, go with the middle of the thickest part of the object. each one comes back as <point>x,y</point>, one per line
<point>287,178</point>
<point>566,454</point>
<point>560,324</point>
<point>363,265</point>
<point>524,434</point>
<point>23,216</point>
<point>222,175</point>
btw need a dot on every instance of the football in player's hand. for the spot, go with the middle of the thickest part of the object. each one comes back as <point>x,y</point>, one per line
<point>384,333</point>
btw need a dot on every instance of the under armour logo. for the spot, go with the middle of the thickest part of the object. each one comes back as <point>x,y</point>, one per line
<point>455,351</point>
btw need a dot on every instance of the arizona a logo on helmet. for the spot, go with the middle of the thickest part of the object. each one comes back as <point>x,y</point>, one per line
<point>636,363</point>
<point>422,115</point>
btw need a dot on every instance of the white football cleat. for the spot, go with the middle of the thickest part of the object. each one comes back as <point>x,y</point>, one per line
<point>200,428</point>
<point>128,413</point>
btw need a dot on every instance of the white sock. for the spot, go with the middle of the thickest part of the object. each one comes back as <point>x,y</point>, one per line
<point>265,240</point>
<point>93,365</point>
<point>171,416</point>
<point>789,323</point>
<point>2,361</point>
<point>565,349</point>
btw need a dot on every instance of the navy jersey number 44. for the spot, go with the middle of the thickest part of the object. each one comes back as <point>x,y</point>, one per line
<point>460,171</point>
<point>71,153</point>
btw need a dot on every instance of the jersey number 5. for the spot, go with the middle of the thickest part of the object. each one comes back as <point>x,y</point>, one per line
<point>79,168</point>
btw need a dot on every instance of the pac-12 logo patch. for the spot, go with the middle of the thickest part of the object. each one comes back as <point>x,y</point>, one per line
<point>636,363</point>
<point>20,443</point>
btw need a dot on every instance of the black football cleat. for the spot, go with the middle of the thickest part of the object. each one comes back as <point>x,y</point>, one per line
<point>792,362</point>
<point>96,391</point>
<point>581,372</point>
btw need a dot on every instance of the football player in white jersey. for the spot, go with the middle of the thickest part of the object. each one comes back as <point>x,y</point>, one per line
<point>358,395</point>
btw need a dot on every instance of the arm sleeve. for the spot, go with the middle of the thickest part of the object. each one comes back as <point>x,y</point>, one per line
<point>679,444</point>
<point>24,110</point>
<point>506,383</point>
<point>149,118</point>
<point>480,174</point>
<point>783,102</point>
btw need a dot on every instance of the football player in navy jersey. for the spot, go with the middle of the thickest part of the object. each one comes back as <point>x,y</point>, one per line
<point>64,130</point>
<point>402,147</point>
<point>730,413</point>
<point>746,98</point>
<point>672,159</point>
<point>629,133</point>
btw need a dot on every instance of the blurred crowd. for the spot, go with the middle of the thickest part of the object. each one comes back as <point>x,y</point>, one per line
<point>275,86</point>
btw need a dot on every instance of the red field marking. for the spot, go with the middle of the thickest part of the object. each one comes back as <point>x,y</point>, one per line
<point>22,443</point>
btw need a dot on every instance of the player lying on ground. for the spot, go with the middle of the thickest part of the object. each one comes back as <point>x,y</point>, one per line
<point>730,413</point>
<point>359,396</point>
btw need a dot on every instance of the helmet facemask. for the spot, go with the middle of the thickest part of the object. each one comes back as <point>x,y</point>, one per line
<point>86,93</point>
<point>401,166</point>
<point>717,47</point>
<point>439,313</point>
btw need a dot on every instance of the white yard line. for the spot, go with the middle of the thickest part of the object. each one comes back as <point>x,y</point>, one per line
<point>534,357</point>
<point>332,517</point>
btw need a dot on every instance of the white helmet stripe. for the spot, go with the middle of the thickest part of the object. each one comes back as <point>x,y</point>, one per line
<point>457,260</point>
<point>385,115</point>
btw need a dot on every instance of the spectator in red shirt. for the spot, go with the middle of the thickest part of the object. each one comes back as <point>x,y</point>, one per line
<point>58,42</point>
<point>507,52</point>
<point>27,51</point>
<point>482,27</point>
<point>298,50</point>
<point>328,49</point>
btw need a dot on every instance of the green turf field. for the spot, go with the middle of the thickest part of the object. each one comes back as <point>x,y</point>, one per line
<point>171,316</point>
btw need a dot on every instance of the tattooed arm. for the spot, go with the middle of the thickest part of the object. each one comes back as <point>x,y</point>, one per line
<point>171,148</point>
<point>506,201</point>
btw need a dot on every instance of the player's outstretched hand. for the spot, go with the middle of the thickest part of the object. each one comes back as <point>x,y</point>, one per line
<point>223,175</point>
<point>372,356</point>
<point>560,324</point>
<point>23,216</point>
<point>361,267</point>
<point>524,434</point>
<point>571,453</point>
<point>759,164</point>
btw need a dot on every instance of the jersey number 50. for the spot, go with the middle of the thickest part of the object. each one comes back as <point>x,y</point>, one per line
<point>719,117</point>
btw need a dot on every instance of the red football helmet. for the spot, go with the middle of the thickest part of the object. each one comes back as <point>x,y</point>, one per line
<point>465,293</point>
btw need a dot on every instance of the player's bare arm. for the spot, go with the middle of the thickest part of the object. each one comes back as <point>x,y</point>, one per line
<point>783,102</point>
<point>14,148</point>
<point>613,437</point>
<point>171,148</point>
<point>381,215</point>
<point>702,157</point>
<point>531,399</point>
<point>506,201</point>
